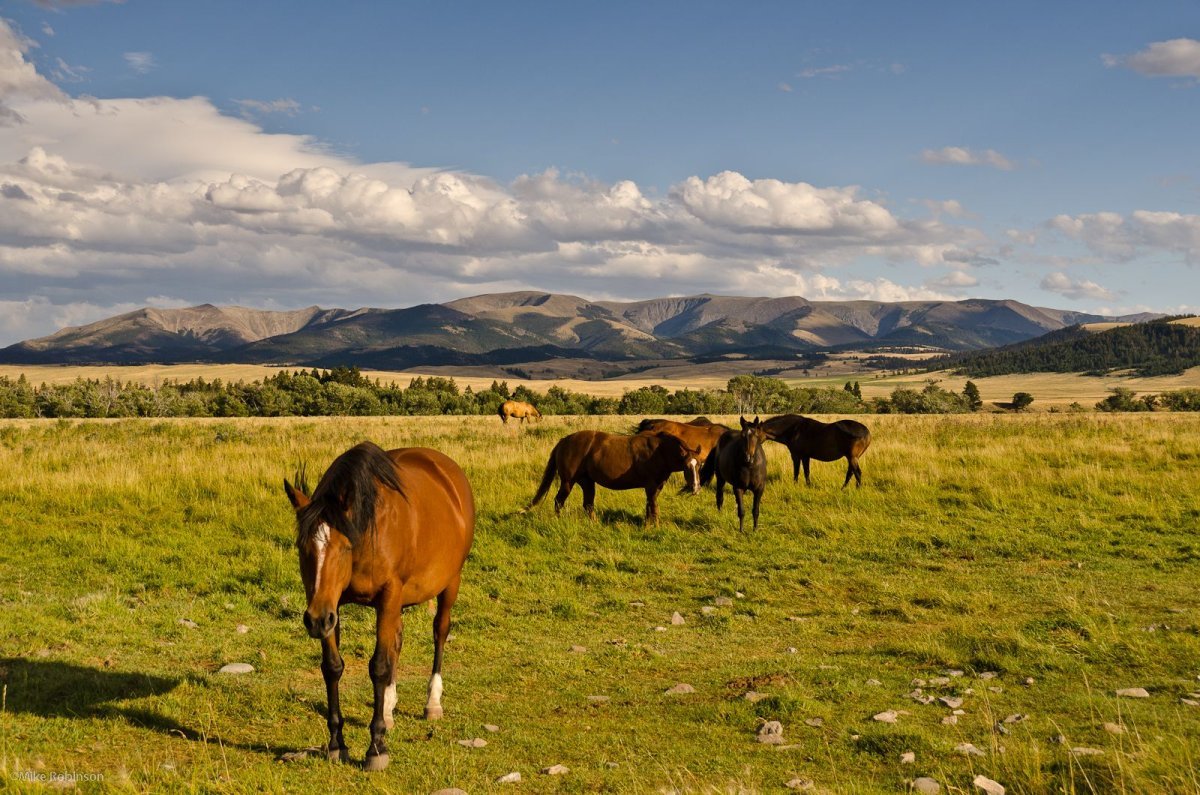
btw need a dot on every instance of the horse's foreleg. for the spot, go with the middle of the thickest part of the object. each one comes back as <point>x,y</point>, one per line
<point>389,626</point>
<point>796,467</point>
<point>807,479</point>
<point>331,668</point>
<point>737,497</point>
<point>441,628</point>
<point>757,501</point>
<point>589,497</point>
<point>652,503</point>
<point>720,491</point>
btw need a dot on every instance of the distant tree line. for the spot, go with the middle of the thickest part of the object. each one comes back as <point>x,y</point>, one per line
<point>1158,347</point>
<point>344,391</point>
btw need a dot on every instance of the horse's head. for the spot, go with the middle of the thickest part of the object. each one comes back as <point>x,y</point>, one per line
<point>753,437</point>
<point>326,562</point>
<point>689,459</point>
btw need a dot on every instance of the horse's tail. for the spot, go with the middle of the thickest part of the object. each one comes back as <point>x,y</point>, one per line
<point>710,466</point>
<point>502,413</point>
<point>547,479</point>
<point>645,425</point>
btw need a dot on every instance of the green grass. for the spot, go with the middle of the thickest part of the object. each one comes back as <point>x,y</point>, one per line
<point>1043,546</point>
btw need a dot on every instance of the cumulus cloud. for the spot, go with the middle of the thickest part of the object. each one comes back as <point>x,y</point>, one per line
<point>1119,237</point>
<point>1077,289</point>
<point>955,280</point>
<point>19,80</point>
<point>1172,58</point>
<point>141,62</point>
<point>962,156</point>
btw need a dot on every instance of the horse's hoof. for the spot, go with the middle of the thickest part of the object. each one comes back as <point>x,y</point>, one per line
<point>434,713</point>
<point>335,754</point>
<point>376,763</point>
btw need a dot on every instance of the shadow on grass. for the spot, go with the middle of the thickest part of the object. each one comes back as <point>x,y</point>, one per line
<point>55,689</point>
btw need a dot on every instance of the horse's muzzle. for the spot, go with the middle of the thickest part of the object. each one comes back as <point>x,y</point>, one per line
<point>320,627</point>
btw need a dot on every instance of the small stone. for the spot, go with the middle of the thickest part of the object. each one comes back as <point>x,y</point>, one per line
<point>958,712</point>
<point>237,668</point>
<point>926,786</point>
<point>874,683</point>
<point>660,629</point>
<point>242,629</point>
<point>918,683</point>
<point>1081,751</point>
<point>953,702</point>
<point>1114,728</point>
<point>637,604</point>
<point>611,765</point>
<point>815,723</point>
<point>1133,692</point>
<point>598,699</point>
<point>800,783</point>
<point>753,696</point>
<point>723,601</point>
<point>939,681</point>
<point>1001,728</point>
<point>579,649</point>
<point>797,618</point>
<point>791,650</point>
<point>988,675</point>
<point>1059,739</point>
<point>739,594</point>
<point>1015,718</point>
<point>950,720</point>
<point>296,756</point>
<point>1028,681</point>
<point>477,742</point>
<point>968,749</point>
<point>995,689</point>
<point>908,758</point>
<point>677,619</point>
<point>187,622</point>
<point>680,689</point>
<point>888,716</point>
<point>987,785</point>
<point>953,672</point>
<point>509,778</point>
<point>556,770</point>
<point>770,733</point>
<point>1190,702</point>
<point>708,610</point>
<point>491,727</point>
<point>450,791</point>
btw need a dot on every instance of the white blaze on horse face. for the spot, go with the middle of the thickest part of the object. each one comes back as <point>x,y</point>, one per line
<point>321,542</point>
<point>694,467</point>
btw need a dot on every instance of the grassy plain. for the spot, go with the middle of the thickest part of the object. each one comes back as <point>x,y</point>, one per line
<point>1060,548</point>
<point>1048,389</point>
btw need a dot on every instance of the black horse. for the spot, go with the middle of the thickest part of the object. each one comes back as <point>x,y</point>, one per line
<point>741,461</point>
<point>807,438</point>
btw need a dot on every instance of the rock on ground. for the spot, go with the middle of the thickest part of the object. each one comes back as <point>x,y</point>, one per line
<point>677,619</point>
<point>450,791</point>
<point>1133,692</point>
<point>237,668</point>
<point>509,778</point>
<point>579,649</point>
<point>888,716</point>
<point>723,601</point>
<point>926,786</point>
<point>556,770</point>
<point>800,783</point>
<point>908,758</point>
<point>477,742</point>
<point>680,689</point>
<point>968,749</point>
<point>771,733</point>
<point>1082,751</point>
<point>987,785</point>
<point>491,727</point>
<point>753,696</point>
<point>1114,728</point>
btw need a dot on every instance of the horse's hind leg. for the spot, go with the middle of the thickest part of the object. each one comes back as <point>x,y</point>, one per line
<point>720,491</point>
<point>388,628</point>
<point>737,497</point>
<point>852,471</point>
<point>757,500</point>
<point>564,491</point>
<point>331,668</point>
<point>807,479</point>
<point>441,628</point>
<point>589,497</point>
<point>857,472</point>
<point>796,467</point>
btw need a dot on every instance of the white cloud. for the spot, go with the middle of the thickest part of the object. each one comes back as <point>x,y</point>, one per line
<point>824,71</point>
<point>47,30</point>
<point>955,280</point>
<point>1173,58</point>
<point>19,80</point>
<point>1119,237</point>
<point>962,156</point>
<point>140,62</point>
<point>66,73</point>
<point>1061,283</point>
<point>785,87</point>
<point>250,108</point>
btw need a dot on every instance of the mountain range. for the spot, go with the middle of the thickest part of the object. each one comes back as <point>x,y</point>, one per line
<point>512,328</point>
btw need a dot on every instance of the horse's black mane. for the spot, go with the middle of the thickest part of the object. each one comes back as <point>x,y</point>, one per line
<point>345,497</point>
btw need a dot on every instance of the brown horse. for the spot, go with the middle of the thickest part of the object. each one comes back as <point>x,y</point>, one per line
<point>702,436</point>
<point>518,409</point>
<point>741,461</point>
<point>806,438</point>
<point>387,530</point>
<point>615,462</point>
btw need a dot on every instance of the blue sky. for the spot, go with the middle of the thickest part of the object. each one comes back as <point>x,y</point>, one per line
<point>886,151</point>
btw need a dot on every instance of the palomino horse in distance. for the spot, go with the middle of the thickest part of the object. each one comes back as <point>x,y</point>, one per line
<point>615,462</point>
<point>389,530</point>
<point>740,461</point>
<point>806,438</point>
<point>702,436</point>
<point>517,409</point>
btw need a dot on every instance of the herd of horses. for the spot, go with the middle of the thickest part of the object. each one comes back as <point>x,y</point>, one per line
<point>391,529</point>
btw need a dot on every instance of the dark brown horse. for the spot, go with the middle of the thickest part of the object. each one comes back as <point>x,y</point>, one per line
<point>740,461</point>
<point>617,462</point>
<point>806,438</point>
<point>516,408</point>
<point>387,530</point>
<point>702,436</point>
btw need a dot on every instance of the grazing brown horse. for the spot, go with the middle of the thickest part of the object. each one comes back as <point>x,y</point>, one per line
<point>806,438</point>
<point>518,409</point>
<point>389,530</point>
<point>616,462</point>
<point>740,461</point>
<point>700,436</point>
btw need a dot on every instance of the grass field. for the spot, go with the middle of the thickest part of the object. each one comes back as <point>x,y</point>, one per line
<point>1048,389</point>
<point>1058,550</point>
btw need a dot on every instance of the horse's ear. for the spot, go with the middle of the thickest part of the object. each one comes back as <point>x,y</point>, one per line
<point>757,421</point>
<point>298,498</point>
<point>745,424</point>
